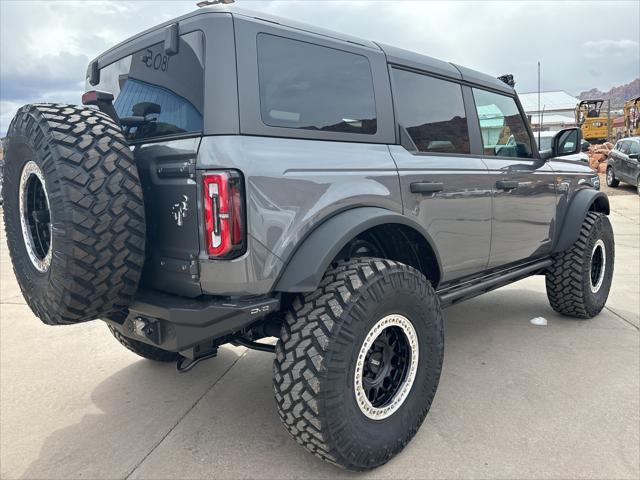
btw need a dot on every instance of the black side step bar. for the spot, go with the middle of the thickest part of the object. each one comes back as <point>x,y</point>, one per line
<point>467,290</point>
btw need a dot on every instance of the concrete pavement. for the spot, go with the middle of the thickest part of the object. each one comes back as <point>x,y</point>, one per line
<point>515,400</point>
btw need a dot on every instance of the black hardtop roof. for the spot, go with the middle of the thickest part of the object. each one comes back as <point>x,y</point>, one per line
<point>394,55</point>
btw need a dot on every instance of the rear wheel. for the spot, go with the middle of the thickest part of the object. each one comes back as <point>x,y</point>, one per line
<point>611,178</point>
<point>358,362</point>
<point>579,280</point>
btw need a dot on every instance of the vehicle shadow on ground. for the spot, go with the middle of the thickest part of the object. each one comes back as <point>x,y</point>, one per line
<point>235,430</point>
<point>135,408</point>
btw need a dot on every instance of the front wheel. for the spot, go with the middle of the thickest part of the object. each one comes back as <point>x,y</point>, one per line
<point>358,362</point>
<point>579,280</point>
<point>611,178</point>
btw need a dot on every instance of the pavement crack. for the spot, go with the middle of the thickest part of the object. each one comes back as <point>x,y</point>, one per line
<point>635,327</point>
<point>157,444</point>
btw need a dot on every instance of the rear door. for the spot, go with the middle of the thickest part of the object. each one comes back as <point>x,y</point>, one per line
<point>631,164</point>
<point>159,99</point>
<point>616,159</point>
<point>524,201</point>
<point>444,187</point>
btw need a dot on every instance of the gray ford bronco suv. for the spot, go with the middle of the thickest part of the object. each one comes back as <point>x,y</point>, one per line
<point>233,177</point>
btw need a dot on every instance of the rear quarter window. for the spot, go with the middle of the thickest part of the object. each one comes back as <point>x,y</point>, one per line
<point>311,87</point>
<point>156,94</point>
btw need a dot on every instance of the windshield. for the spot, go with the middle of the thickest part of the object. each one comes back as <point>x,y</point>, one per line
<point>158,94</point>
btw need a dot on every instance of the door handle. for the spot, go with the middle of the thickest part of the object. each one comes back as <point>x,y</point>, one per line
<point>507,184</point>
<point>426,187</point>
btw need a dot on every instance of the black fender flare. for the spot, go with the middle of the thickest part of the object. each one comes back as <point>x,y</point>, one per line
<point>307,265</point>
<point>575,214</point>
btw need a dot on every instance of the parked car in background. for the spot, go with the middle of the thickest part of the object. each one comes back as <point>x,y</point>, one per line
<point>624,165</point>
<point>545,144</point>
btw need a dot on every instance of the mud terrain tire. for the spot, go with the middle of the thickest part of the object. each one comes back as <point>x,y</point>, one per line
<point>73,213</point>
<point>579,280</point>
<point>611,178</point>
<point>321,352</point>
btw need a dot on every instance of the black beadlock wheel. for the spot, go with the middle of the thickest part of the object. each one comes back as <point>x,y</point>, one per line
<point>73,212</point>
<point>579,280</point>
<point>611,178</point>
<point>358,362</point>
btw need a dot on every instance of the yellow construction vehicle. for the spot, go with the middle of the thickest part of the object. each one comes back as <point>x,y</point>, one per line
<point>595,128</point>
<point>632,117</point>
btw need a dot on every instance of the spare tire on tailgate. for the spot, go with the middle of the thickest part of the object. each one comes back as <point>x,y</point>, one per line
<point>73,212</point>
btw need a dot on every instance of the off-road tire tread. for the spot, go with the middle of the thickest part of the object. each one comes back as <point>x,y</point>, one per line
<point>144,350</point>
<point>300,360</point>
<point>97,180</point>
<point>564,277</point>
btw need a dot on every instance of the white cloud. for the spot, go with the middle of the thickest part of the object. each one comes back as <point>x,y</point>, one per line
<point>604,48</point>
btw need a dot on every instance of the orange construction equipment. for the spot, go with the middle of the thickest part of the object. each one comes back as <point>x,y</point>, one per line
<point>594,127</point>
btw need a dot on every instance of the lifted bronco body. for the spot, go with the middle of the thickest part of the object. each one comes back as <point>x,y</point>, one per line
<point>238,177</point>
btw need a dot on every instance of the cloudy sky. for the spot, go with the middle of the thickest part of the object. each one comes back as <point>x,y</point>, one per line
<point>45,46</point>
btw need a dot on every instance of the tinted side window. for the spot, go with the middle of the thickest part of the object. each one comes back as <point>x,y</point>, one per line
<point>432,112</point>
<point>156,94</point>
<point>307,86</point>
<point>624,147</point>
<point>504,132</point>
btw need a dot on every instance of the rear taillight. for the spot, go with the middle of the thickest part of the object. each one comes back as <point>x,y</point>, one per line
<point>224,213</point>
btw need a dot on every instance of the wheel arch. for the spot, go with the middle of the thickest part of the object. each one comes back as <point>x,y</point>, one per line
<point>583,201</point>
<point>307,265</point>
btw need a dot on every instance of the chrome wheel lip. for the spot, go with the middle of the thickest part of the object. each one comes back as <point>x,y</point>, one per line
<point>609,176</point>
<point>40,264</point>
<point>365,406</point>
<point>599,245</point>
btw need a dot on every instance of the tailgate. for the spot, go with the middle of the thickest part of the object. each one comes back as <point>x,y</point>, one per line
<point>167,173</point>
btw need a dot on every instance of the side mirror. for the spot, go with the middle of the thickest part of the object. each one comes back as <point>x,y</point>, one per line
<point>566,142</point>
<point>633,156</point>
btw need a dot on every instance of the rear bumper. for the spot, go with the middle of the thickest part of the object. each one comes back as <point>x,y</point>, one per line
<point>178,323</point>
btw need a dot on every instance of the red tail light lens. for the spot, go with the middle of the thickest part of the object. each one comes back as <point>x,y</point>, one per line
<point>224,213</point>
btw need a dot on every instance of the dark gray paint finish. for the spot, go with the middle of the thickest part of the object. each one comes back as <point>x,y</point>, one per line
<point>306,268</point>
<point>292,186</point>
<point>417,61</point>
<point>523,224</point>
<point>484,80</point>
<point>458,218</point>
